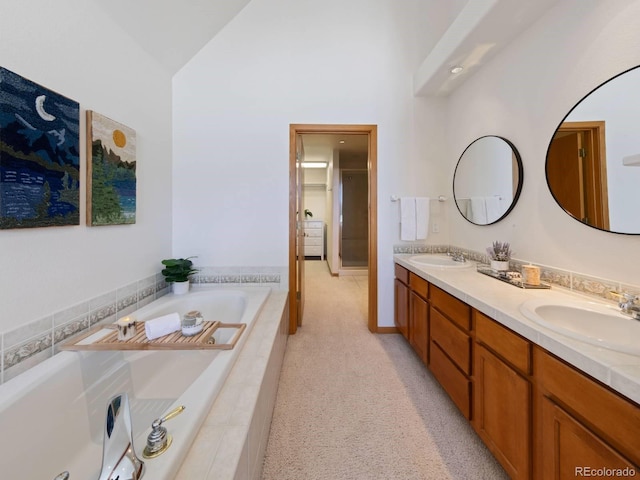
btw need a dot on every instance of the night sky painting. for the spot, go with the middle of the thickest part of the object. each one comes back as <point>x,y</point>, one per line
<point>39,155</point>
<point>111,173</point>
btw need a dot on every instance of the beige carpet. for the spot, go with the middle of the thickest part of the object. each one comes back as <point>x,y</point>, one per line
<point>354,405</point>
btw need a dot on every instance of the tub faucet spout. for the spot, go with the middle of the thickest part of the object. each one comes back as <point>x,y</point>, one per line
<point>119,460</point>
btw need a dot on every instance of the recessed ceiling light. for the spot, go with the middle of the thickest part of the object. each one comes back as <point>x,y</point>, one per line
<point>456,69</point>
<point>314,164</point>
<point>341,141</point>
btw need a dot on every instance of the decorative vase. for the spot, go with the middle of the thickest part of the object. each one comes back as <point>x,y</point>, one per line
<point>180,288</point>
<point>500,266</point>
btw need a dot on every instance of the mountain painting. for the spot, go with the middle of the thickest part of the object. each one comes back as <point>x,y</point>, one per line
<point>39,155</point>
<point>111,174</point>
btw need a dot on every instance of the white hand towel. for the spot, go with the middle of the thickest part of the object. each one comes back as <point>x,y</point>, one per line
<point>161,326</point>
<point>422,217</point>
<point>494,208</point>
<point>407,218</point>
<point>478,210</point>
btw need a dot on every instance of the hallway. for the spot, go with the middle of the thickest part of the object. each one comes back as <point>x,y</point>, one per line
<point>353,405</point>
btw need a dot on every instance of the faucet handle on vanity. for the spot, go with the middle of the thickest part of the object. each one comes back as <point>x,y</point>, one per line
<point>159,440</point>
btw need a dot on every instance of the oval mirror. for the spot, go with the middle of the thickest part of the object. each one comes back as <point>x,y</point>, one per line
<point>487,180</point>
<point>593,159</point>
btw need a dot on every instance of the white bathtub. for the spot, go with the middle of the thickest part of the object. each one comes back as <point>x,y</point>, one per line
<point>52,417</point>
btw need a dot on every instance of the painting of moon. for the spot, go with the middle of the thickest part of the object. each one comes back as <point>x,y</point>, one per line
<point>111,173</point>
<point>39,155</point>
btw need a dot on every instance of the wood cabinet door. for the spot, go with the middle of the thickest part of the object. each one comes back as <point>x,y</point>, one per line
<point>419,325</point>
<point>502,412</point>
<point>570,450</point>
<point>401,308</point>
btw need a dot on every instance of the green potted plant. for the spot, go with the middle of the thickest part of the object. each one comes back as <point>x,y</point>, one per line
<point>499,254</point>
<point>177,272</point>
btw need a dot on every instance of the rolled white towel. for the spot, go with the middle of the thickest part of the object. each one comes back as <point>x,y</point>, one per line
<point>161,326</point>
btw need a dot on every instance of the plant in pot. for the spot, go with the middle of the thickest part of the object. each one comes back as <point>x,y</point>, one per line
<point>499,254</point>
<point>177,272</point>
<point>307,213</point>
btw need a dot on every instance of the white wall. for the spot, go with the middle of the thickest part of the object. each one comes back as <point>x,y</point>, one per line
<point>71,47</point>
<point>522,95</point>
<point>292,61</point>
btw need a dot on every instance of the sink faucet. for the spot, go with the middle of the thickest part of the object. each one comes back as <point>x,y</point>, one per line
<point>119,460</point>
<point>457,256</point>
<point>629,304</point>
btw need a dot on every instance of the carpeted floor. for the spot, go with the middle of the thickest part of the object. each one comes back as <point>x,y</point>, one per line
<point>354,405</point>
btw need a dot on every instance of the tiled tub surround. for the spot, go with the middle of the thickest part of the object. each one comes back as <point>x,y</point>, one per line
<point>35,342</point>
<point>501,302</point>
<point>596,287</point>
<point>155,382</point>
<point>232,440</point>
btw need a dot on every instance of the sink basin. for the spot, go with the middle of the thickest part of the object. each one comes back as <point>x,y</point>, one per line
<point>590,322</point>
<point>435,260</point>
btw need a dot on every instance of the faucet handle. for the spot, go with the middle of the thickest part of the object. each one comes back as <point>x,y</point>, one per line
<point>159,439</point>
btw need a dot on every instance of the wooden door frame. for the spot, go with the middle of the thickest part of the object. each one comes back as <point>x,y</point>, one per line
<point>597,160</point>
<point>372,251</point>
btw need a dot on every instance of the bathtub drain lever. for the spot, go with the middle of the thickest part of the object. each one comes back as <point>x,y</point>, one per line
<point>159,440</point>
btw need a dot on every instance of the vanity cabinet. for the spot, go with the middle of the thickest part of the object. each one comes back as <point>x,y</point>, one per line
<point>502,395</point>
<point>581,423</point>
<point>539,416</point>
<point>401,300</point>
<point>450,346</point>
<point>419,316</point>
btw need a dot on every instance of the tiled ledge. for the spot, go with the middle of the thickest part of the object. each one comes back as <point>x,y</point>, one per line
<point>585,284</point>
<point>28,345</point>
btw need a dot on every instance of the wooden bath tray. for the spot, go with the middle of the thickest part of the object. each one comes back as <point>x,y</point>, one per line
<point>173,341</point>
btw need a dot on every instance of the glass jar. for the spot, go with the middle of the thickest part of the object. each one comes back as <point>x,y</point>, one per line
<point>192,323</point>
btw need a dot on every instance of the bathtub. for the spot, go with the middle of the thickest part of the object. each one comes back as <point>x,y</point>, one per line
<point>52,417</point>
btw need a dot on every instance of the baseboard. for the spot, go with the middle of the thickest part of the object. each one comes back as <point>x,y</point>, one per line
<point>387,330</point>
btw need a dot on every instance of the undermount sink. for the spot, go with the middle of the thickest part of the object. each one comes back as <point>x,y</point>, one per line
<point>435,260</point>
<point>590,322</point>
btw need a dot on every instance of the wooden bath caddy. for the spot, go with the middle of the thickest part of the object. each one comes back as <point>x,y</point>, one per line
<point>173,341</point>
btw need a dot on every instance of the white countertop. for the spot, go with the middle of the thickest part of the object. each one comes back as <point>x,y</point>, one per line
<point>501,302</point>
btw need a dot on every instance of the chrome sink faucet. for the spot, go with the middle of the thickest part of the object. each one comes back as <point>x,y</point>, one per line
<point>629,304</point>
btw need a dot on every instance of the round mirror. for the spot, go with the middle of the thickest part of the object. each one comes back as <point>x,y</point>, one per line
<point>487,180</point>
<point>593,159</point>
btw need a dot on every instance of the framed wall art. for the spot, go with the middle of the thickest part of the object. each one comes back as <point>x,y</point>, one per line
<point>39,155</point>
<point>111,171</point>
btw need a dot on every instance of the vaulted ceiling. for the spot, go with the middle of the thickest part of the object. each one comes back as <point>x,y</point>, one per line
<point>172,31</point>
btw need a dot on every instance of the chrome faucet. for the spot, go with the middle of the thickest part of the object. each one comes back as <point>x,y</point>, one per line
<point>457,256</point>
<point>629,305</point>
<point>119,460</point>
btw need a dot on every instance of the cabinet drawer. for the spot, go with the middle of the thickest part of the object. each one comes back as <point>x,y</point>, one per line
<point>313,251</point>
<point>313,224</point>
<point>456,310</point>
<point>507,344</point>
<point>312,241</point>
<point>418,285</point>
<point>402,274</point>
<point>612,417</point>
<point>452,380</point>
<point>313,232</point>
<point>452,340</point>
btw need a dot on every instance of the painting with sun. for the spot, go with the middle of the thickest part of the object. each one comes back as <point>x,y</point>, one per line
<point>39,155</point>
<point>111,171</point>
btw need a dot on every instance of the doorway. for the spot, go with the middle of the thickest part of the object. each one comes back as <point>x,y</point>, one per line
<point>354,189</point>
<point>296,217</point>
<point>577,171</point>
